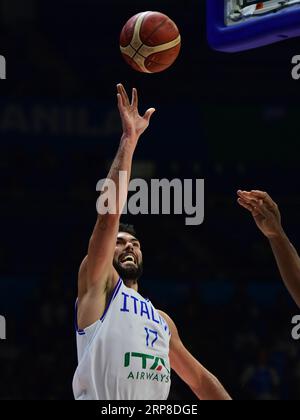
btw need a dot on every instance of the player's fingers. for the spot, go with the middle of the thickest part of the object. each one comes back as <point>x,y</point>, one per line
<point>262,208</point>
<point>124,95</point>
<point>120,93</point>
<point>256,198</point>
<point>134,100</point>
<point>245,196</point>
<point>246,205</point>
<point>149,114</point>
<point>259,195</point>
<point>257,207</point>
<point>265,196</point>
<point>120,102</point>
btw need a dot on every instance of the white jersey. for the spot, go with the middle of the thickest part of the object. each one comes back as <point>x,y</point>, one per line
<point>125,354</point>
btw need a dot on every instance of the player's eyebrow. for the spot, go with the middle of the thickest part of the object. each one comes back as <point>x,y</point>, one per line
<point>131,240</point>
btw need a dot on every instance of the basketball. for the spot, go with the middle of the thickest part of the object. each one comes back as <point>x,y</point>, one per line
<point>150,42</point>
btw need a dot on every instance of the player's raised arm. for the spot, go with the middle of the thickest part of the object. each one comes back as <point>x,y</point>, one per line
<point>268,219</point>
<point>96,274</point>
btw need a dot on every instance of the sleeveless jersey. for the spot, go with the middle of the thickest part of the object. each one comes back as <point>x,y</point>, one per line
<point>125,354</point>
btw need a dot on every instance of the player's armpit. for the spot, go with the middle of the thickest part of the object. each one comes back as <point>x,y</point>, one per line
<point>92,298</point>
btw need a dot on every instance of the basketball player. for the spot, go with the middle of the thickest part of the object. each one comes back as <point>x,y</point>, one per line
<point>125,346</point>
<point>268,219</point>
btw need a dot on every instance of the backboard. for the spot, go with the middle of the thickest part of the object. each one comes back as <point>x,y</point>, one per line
<point>238,25</point>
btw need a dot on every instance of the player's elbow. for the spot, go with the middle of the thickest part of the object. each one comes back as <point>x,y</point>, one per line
<point>107,221</point>
<point>105,228</point>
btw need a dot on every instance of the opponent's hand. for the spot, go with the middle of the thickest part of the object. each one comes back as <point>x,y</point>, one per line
<point>264,211</point>
<point>133,124</point>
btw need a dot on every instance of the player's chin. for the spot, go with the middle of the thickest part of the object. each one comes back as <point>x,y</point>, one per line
<point>128,265</point>
<point>129,270</point>
<point>125,266</point>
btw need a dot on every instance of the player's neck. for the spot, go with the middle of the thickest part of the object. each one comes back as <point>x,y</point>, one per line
<point>131,284</point>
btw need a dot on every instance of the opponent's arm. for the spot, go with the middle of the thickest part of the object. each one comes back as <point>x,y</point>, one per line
<point>268,219</point>
<point>204,385</point>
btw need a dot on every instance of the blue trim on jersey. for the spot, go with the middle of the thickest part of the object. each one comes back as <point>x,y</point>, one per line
<point>113,296</point>
<point>80,332</point>
<point>118,288</point>
<point>115,292</point>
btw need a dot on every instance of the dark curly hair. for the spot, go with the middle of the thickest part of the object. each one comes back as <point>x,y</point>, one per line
<point>123,227</point>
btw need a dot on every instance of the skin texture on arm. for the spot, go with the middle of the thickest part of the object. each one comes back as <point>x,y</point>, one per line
<point>97,276</point>
<point>204,385</point>
<point>268,219</point>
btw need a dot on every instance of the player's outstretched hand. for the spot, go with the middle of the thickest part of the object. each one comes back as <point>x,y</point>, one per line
<point>264,211</point>
<point>133,123</point>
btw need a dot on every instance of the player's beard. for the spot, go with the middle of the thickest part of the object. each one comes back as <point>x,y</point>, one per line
<point>129,273</point>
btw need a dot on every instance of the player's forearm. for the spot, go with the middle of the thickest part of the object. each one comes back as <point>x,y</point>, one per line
<point>119,176</point>
<point>122,164</point>
<point>109,207</point>
<point>288,262</point>
<point>210,388</point>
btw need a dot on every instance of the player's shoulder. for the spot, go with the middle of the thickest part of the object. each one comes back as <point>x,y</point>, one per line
<point>169,321</point>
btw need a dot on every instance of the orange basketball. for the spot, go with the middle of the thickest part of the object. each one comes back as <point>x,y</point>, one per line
<point>150,42</point>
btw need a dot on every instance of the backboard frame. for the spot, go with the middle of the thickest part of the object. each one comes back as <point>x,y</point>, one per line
<point>250,33</point>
